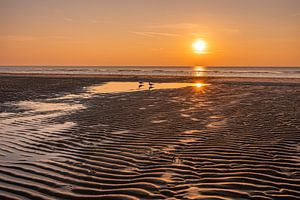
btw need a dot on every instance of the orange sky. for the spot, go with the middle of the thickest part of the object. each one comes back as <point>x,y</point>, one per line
<point>149,32</point>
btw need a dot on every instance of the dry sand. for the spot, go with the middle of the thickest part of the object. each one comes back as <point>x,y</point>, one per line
<point>234,139</point>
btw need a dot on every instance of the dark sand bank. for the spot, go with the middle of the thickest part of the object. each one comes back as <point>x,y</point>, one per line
<point>33,86</point>
<point>232,139</point>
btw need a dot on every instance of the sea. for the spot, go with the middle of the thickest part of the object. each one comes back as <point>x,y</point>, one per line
<point>197,71</point>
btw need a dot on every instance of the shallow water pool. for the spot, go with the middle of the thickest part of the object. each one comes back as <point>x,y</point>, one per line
<point>119,87</point>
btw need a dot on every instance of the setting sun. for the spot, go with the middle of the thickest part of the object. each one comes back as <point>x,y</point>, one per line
<point>199,46</point>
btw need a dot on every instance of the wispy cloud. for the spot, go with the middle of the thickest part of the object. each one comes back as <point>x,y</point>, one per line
<point>295,15</point>
<point>232,30</point>
<point>67,19</point>
<point>155,34</point>
<point>168,30</point>
<point>75,20</point>
<point>29,38</point>
<point>18,38</point>
<point>174,26</point>
<point>94,21</point>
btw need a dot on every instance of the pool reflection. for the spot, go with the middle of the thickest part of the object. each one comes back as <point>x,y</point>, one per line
<point>119,87</point>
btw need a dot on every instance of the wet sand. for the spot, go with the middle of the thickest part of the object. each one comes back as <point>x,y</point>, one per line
<point>231,139</point>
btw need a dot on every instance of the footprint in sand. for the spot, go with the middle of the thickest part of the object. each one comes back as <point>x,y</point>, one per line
<point>177,161</point>
<point>169,149</point>
<point>193,193</point>
<point>68,188</point>
<point>151,152</point>
<point>167,176</point>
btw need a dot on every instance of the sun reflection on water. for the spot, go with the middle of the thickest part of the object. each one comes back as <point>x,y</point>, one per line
<point>199,85</point>
<point>199,71</point>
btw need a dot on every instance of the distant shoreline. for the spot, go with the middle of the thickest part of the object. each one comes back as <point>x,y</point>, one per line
<point>160,78</point>
<point>149,66</point>
<point>147,71</point>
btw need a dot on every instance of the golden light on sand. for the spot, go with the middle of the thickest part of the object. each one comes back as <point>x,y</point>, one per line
<point>199,46</point>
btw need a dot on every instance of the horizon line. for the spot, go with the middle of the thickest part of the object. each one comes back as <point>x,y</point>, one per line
<point>288,66</point>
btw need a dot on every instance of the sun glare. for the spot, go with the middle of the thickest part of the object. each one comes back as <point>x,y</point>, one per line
<point>200,85</point>
<point>199,46</point>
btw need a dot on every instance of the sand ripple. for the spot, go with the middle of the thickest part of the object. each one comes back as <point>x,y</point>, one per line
<point>243,145</point>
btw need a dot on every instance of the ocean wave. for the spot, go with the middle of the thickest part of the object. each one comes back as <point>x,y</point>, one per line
<point>276,72</point>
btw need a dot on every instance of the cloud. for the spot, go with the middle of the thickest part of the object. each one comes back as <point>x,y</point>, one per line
<point>232,30</point>
<point>295,15</point>
<point>91,21</point>
<point>94,21</point>
<point>174,26</point>
<point>155,34</point>
<point>18,38</point>
<point>67,19</point>
<point>29,38</point>
<point>168,30</point>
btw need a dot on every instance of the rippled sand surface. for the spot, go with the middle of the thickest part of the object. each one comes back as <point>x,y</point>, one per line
<point>221,141</point>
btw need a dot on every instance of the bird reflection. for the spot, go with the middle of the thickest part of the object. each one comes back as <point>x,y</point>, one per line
<point>141,84</point>
<point>151,85</point>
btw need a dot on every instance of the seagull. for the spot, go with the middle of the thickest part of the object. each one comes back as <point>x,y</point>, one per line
<point>151,84</point>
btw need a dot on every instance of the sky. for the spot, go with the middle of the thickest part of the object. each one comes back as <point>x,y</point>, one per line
<point>150,32</point>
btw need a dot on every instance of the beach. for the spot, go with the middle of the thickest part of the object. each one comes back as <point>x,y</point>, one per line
<point>62,137</point>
